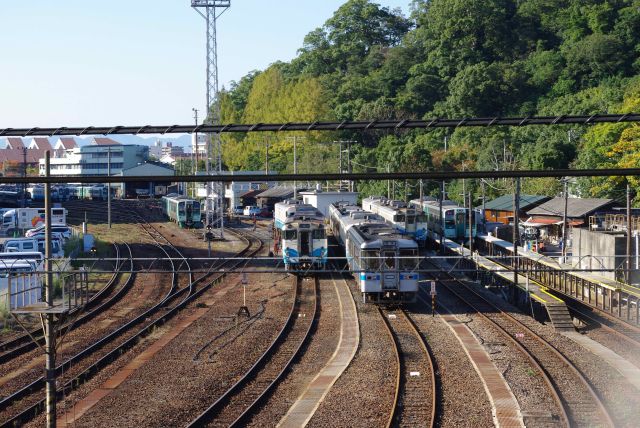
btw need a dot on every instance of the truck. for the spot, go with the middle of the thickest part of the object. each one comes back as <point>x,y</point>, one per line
<point>28,218</point>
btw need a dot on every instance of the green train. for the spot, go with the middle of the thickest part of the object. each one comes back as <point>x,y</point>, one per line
<point>183,210</point>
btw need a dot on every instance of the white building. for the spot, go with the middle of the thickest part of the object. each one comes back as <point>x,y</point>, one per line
<point>63,145</point>
<point>321,200</point>
<point>201,146</point>
<point>93,159</point>
<point>234,190</point>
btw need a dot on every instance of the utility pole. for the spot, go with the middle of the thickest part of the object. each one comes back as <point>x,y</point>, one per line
<point>628,275</point>
<point>295,167</point>
<point>23,202</point>
<point>442,196</point>
<point>484,204</point>
<point>109,186</point>
<point>516,229</point>
<point>470,223</point>
<point>266,160</point>
<point>564,221</point>
<point>195,150</point>
<point>421,193</point>
<point>388,184</point>
<point>49,333</point>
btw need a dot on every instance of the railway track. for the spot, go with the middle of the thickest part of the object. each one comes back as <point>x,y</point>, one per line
<point>243,399</point>
<point>176,299</point>
<point>576,398</point>
<point>625,331</point>
<point>415,397</point>
<point>100,301</point>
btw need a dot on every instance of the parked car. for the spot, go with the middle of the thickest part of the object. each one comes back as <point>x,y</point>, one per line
<point>64,230</point>
<point>21,245</point>
<point>251,210</point>
<point>265,212</point>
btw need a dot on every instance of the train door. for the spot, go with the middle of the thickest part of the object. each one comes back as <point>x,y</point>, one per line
<point>189,214</point>
<point>461,224</point>
<point>389,269</point>
<point>304,243</point>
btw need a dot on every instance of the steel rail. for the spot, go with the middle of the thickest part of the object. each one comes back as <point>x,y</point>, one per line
<point>401,363</point>
<point>112,355</point>
<point>572,367</point>
<point>243,419</point>
<point>354,176</point>
<point>573,303</point>
<point>371,125</point>
<point>628,332</point>
<point>254,371</point>
<point>396,350</point>
<point>24,343</point>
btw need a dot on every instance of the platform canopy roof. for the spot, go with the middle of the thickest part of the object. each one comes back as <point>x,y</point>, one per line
<point>576,207</point>
<point>505,202</point>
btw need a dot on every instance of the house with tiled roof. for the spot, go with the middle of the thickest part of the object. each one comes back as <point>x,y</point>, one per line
<point>14,143</point>
<point>63,145</point>
<point>40,143</point>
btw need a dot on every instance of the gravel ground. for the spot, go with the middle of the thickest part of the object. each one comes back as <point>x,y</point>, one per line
<point>172,387</point>
<point>525,381</point>
<point>363,395</point>
<point>621,399</point>
<point>630,352</point>
<point>153,279</point>
<point>319,350</point>
<point>143,293</point>
<point>462,399</point>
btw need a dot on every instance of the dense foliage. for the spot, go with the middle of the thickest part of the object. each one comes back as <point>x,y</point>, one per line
<point>453,58</point>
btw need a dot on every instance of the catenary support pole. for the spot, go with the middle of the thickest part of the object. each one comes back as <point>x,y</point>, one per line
<point>516,229</point>
<point>109,187</point>
<point>50,345</point>
<point>442,196</point>
<point>470,222</point>
<point>628,258</point>
<point>564,221</point>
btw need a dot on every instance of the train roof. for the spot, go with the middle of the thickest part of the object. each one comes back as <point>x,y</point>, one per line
<point>371,233</point>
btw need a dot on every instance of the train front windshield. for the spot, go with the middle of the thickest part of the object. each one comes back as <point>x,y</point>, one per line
<point>408,259</point>
<point>449,220</point>
<point>371,260</point>
<point>196,208</point>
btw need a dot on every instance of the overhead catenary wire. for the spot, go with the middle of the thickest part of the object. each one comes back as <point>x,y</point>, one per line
<point>426,175</point>
<point>324,126</point>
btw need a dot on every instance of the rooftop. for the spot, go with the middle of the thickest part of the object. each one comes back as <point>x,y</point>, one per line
<point>505,202</point>
<point>576,207</point>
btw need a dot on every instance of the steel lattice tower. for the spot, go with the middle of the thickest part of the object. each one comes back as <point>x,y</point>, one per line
<point>213,9</point>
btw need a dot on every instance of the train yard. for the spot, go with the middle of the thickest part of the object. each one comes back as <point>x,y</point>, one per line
<point>175,338</point>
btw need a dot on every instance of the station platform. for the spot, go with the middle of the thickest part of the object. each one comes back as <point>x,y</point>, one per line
<point>490,272</point>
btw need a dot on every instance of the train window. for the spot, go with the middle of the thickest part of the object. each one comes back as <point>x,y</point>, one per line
<point>370,260</point>
<point>449,223</point>
<point>389,259</point>
<point>290,234</point>
<point>318,234</point>
<point>398,218</point>
<point>196,206</point>
<point>408,258</point>
<point>411,219</point>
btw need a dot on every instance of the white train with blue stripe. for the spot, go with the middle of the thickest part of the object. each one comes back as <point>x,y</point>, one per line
<point>384,261</point>
<point>300,235</point>
<point>406,220</point>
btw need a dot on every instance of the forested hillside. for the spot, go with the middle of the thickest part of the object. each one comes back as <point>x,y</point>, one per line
<point>453,58</point>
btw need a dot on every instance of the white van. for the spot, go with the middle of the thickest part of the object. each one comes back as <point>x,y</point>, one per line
<point>21,245</point>
<point>57,250</point>
<point>13,259</point>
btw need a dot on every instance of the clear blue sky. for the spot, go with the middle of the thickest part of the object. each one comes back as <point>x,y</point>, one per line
<point>71,62</point>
